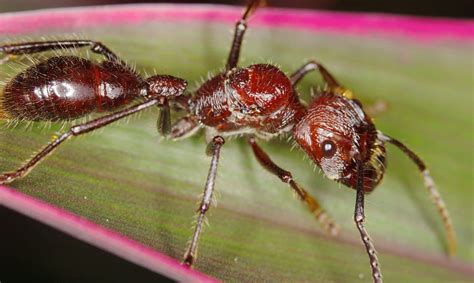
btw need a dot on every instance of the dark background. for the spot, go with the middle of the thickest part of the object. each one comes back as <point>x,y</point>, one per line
<point>34,252</point>
<point>453,8</point>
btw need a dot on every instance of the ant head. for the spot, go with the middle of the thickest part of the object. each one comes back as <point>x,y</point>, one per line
<point>336,133</point>
<point>164,86</point>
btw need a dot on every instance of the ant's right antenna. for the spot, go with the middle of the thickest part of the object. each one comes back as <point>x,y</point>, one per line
<point>430,185</point>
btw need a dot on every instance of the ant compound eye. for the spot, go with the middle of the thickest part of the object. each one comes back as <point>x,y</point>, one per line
<point>329,148</point>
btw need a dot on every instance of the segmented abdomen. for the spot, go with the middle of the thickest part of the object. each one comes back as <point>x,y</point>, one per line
<point>68,87</point>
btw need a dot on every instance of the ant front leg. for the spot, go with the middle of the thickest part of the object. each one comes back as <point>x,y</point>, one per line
<point>240,28</point>
<point>74,131</point>
<point>214,149</point>
<point>373,110</point>
<point>326,222</point>
<point>42,46</point>
<point>359,218</point>
<point>331,82</point>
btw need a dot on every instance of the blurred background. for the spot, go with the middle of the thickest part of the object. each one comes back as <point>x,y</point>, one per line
<point>454,8</point>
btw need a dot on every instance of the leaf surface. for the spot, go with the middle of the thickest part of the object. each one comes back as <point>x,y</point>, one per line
<point>126,178</point>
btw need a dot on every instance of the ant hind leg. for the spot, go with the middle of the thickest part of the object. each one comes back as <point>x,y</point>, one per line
<point>77,130</point>
<point>42,46</point>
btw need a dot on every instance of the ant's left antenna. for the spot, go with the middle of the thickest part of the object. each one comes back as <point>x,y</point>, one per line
<point>431,186</point>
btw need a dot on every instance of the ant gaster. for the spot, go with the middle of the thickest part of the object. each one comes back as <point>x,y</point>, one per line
<point>259,101</point>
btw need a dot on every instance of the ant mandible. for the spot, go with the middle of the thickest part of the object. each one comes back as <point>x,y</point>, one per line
<point>258,101</point>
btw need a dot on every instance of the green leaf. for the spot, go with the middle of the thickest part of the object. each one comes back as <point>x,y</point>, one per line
<point>125,178</point>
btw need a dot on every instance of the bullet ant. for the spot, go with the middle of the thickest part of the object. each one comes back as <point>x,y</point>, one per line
<point>258,101</point>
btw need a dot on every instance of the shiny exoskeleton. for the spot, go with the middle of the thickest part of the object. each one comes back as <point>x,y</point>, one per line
<point>67,87</point>
<point>258,101</point>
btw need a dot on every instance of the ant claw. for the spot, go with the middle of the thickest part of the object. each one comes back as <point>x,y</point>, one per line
<point>188,261</point>
<point>8,178</point>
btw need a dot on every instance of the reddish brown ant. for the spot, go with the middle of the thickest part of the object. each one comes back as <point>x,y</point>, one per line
<point>68,87</point>
<point>259,101</point>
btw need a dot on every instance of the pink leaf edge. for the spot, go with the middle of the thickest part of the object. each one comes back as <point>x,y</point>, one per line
<point>368,24</point>
<point>98,236</point>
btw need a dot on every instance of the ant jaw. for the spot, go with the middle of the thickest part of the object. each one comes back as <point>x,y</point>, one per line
<point>331,173</point>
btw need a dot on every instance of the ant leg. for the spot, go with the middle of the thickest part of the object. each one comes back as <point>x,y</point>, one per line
<point>240,28</point>
<point>373,110</point>
<point>312,66</point>
<point>214,149</point>
<point>431,186</point>
<point>184,127</point>
<point>73,131</point>
<point>41,46</point>
<point>326,222</point>
<point>359,218</point>
<point>331,82</point>
<point>164,121</point>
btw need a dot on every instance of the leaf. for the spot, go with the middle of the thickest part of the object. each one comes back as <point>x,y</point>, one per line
<point>125,178</point>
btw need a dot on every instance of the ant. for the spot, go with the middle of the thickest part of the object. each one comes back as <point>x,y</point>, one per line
<point>258,101</point>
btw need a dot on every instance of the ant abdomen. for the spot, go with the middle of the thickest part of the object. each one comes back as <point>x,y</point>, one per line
<point>68,87</point>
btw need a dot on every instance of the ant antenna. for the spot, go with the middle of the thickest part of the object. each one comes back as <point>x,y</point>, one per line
<point>431,186</point>
<point>359,218</point>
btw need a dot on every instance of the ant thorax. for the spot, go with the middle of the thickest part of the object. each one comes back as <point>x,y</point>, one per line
<point>258,99</point>
<point>334,133</point>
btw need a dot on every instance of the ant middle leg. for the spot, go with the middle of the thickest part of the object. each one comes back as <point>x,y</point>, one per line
<point>77,130</point>
<point>285,176</point>
<point>42,46</point>
<point>240,28</point>
<point>214,149</point>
